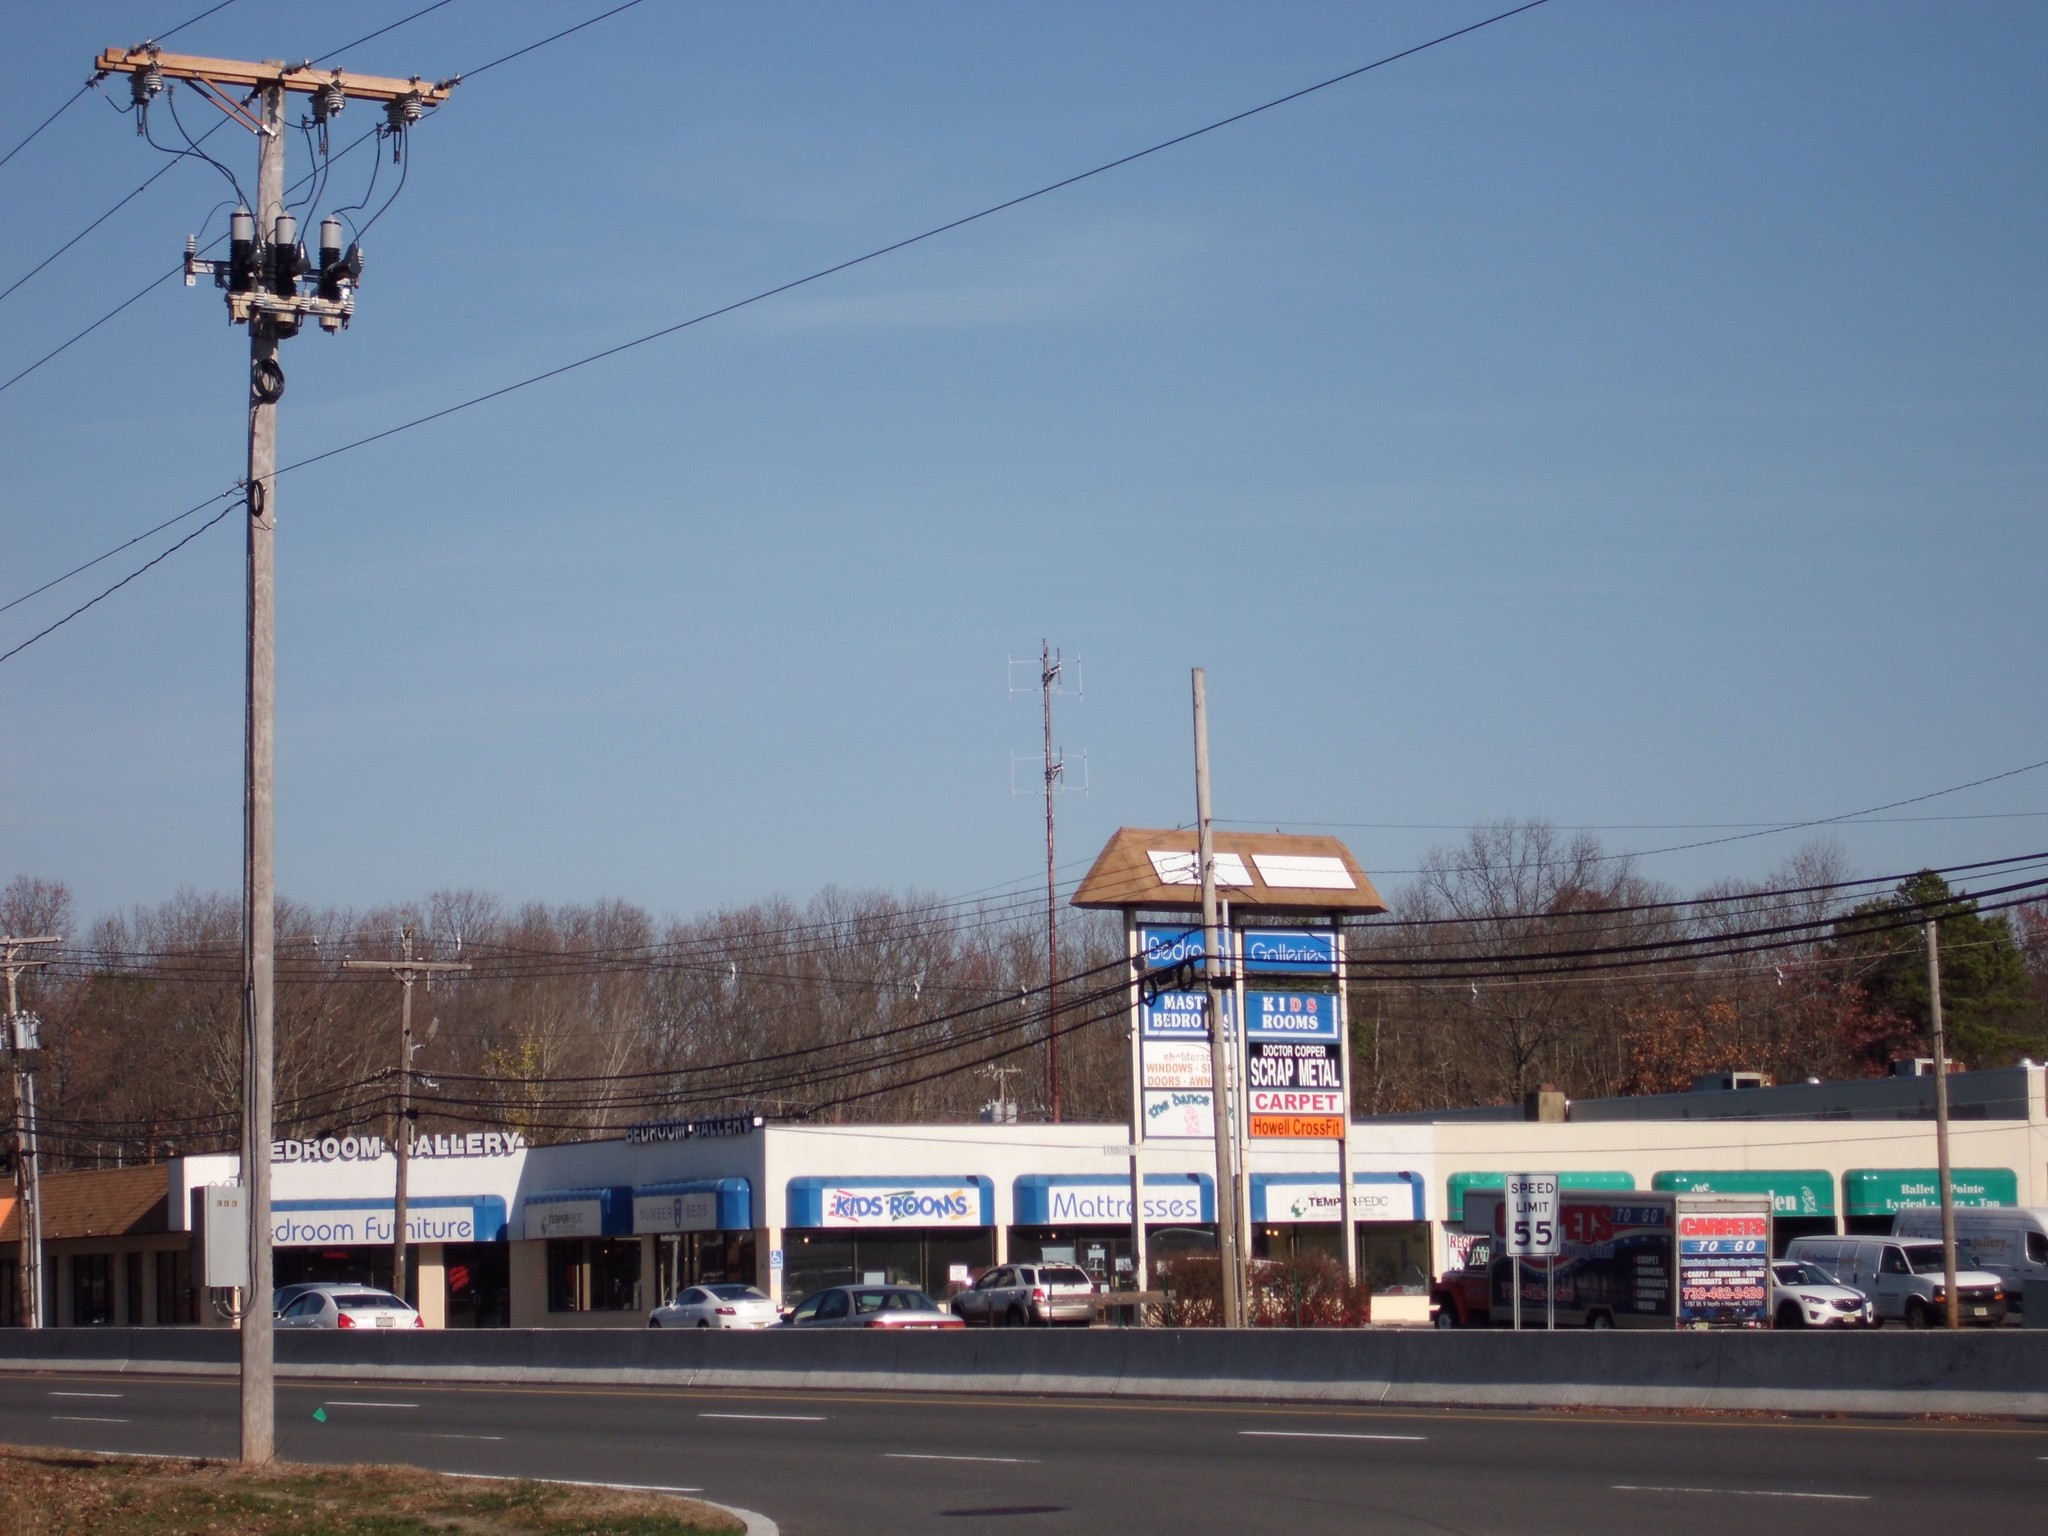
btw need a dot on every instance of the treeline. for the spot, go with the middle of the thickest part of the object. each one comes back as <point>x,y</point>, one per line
<point>1522,957</point>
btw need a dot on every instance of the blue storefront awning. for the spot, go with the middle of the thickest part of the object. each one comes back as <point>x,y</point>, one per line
<point>694,1205</point>
<point>1104,1199</point>
<point>968,1200</point>
<point>601,1211</point>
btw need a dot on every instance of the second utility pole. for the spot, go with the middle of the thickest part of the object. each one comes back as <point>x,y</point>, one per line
<point>1230,1263</point>
<point>407,970</point>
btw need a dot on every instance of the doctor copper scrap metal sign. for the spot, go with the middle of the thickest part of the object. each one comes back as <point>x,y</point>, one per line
<point>1294,1065</point>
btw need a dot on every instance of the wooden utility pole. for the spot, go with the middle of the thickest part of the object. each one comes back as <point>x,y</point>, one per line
<point>1048,679</point>
<point>407,970</point>
<point>1231,1261</point>
<point>1952,1310</point>
<point>24,1050</point>
<point>262,278</point>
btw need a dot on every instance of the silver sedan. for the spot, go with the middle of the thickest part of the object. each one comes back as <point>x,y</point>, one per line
<point>716,1306</point>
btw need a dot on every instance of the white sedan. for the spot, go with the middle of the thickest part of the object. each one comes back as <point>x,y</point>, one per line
<point>716,1306</point>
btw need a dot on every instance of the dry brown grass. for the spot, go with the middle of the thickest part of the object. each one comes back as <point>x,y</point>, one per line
<point>63,1493</point>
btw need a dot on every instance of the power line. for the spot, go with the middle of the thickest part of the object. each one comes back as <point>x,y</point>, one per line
<point>117,586</point>
<point>95,80</point>
<point>556,38</point>
<point>904,244</point>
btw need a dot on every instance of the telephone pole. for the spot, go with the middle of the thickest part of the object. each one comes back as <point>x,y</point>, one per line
<point>262,276</point>
<point>1952,1311</point>
<point>407,970</point>
<point>1230,1260</point>
<point>1048,679</point>
<point>24,1049</point>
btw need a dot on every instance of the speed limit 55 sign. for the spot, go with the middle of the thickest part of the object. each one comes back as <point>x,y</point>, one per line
<point>1531,1215</point>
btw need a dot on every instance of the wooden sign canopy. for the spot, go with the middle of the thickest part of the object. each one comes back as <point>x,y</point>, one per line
<point>1255,871</point>
<point>293,77</point>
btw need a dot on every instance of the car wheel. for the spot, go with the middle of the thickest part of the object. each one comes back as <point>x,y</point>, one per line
<point>1917,1315</point>
<point>1789,1316</point>
<point>703,1323</point>
<point>1015,1317</point>
<point>1600,1321</point>
<point>1445,1318</point>
<point>654,1322</point>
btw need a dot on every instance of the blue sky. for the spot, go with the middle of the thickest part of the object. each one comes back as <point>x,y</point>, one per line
<point>1625,415</point>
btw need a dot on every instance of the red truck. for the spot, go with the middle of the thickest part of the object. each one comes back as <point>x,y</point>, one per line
<point>1631,1259</point>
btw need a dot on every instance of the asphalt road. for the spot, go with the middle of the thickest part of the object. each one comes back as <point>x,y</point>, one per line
<point>858,1465</point>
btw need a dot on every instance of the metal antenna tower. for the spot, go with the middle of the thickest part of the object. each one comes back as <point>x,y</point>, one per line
<point>1052,679</point>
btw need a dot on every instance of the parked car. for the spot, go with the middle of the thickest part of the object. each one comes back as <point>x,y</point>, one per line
<point>1018,1295</point>
<point>716,1306</point>
<point>285,1295</point>
<point>1804,1295</point>
<point>869,1306</point>
<point>354,1307</point>
<point>1903,1279</point>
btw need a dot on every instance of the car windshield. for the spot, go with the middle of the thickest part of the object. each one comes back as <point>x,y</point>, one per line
<point>1064,1274</point>
<point>893,1301</point>
<point>1805,1274</point>
<point>736,1293</point>
<point>1926,1258</point>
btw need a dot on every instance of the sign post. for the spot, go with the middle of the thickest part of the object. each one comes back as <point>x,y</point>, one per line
<point>1532,1229</point>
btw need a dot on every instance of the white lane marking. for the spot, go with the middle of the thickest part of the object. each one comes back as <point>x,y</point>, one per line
<point>772,1418</point>
<point>1321,1434</point>
<point>461,1437</point>
<point>342,1402</point>
<point>1012,1461</point>
<point>572,1482</point>
<point>85,1394</point>
<point>1745,1493</point>
<point>80,1418</point>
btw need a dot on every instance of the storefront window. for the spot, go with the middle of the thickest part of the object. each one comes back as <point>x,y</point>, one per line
<point>92,1289</point>
<point>903,1256</point>
<point>683,1259</point>
<point>131,1291</point>
<point>593,1275</point>
<point>175,1300</point>
<point>10,1293</point>
<point>1394,1257</point>
<point>479,1278</point>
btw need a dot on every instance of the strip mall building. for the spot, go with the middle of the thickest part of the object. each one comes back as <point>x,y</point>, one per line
<point>594,1233</point>
<point>590,1234</point>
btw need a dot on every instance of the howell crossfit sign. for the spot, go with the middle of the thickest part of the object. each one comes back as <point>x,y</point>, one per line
<point>1294,1066</point>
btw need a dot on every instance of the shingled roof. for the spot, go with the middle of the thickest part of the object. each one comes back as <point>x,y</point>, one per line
<point>1255,871</point>
<point>98,1202</point>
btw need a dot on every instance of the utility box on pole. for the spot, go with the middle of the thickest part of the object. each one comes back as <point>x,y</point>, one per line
<point>224,1239</point>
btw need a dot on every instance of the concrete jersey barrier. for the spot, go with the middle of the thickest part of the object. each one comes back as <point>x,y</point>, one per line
<point>1996,1372</point>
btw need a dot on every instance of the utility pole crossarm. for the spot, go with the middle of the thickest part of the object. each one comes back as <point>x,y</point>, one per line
<point>293,77</point>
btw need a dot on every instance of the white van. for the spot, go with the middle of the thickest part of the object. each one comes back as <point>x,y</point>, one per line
<point>2008,1241</point>
<point>1903,1278</point>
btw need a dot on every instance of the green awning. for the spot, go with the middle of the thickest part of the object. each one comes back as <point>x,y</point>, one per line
<point>1886,1191</point>
<point>1456,1185</point>
<point>1793,1191</point>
